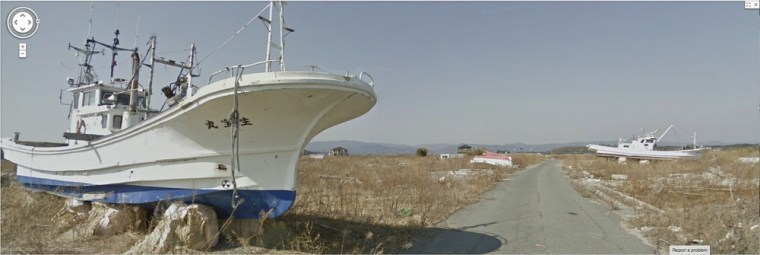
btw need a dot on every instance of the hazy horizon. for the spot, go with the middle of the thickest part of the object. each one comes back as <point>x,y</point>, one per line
<point>445,72</point>
<point>608,142</point>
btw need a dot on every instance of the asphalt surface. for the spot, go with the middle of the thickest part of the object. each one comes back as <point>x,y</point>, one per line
<point>535,211</point>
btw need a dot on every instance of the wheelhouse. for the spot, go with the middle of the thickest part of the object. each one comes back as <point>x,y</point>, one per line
<point>103,109</point>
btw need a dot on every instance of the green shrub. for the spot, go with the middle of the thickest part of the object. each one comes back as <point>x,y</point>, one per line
<point>422,152</point>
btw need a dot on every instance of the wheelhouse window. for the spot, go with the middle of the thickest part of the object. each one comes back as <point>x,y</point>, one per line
<point>122,99</point>
<point>88,98</point>
<point>75,101</point>
<point>117,122</point>
<point>104,121</point>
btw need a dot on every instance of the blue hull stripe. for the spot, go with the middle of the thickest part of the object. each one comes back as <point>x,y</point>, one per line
<point>254,201</point>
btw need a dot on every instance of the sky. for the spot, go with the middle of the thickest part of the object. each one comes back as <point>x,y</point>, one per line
<point>445,72</point>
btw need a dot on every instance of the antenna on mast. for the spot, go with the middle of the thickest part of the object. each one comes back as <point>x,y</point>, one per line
<point>89,27</point>
<point>137,31</point>
<point>85,69</point>
<point>116,17</point>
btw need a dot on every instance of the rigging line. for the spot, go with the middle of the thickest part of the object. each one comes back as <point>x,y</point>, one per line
<point>235,161</point>
<point>64,66</point>
<point>171,52</point>
<point>232,37</point>
<point>144,59</point>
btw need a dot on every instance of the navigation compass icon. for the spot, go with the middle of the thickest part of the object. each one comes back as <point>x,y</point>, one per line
<point>23,22</point>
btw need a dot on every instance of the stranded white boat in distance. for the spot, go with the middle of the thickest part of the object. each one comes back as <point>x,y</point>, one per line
<point>644,147</point>
<point>492,158</point>
<point>233,144</point>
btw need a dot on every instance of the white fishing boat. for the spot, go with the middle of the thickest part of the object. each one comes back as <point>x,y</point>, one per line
<point>233,144</point>
<point>644,147</point>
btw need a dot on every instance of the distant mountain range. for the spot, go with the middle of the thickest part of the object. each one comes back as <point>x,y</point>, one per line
<point>367,148</point>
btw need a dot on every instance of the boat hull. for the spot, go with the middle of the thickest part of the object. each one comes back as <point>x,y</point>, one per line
<point>606,151</point>
<point>250,202</point>
<point>185,152</point>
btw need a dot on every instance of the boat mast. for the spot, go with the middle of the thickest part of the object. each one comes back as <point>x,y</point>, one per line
<point>133,84</point>
<point>188,78</point>
<point>282,36</point>
<point>663,133</point>
<point>114,49</point>
<point>85,69</point>
<point>269,36</point>
<point>114,52</point>
<point>153,42</point>
<point>284,31</point>
<point>190,68</point>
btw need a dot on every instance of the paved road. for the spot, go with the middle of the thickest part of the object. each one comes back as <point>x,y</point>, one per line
<point>535,211</point>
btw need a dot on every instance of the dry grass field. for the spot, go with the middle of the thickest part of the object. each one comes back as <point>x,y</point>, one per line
<point>713,200</point>
<point>354,204</point>
<point>31,223</point>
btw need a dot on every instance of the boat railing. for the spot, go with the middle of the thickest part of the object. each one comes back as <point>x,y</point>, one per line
<point>371,80</point>
<point>233,70</point>
<point>346,73</point>
<point>230,69</point>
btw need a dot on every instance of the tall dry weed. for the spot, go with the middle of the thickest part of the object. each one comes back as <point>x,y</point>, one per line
<point>712,200</point>
<point>372,204</point>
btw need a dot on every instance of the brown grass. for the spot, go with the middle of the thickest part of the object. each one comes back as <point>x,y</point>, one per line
<point>693,195</point>
<point>32,223</point>
<point>355,204</point>
<point>363,204</point>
